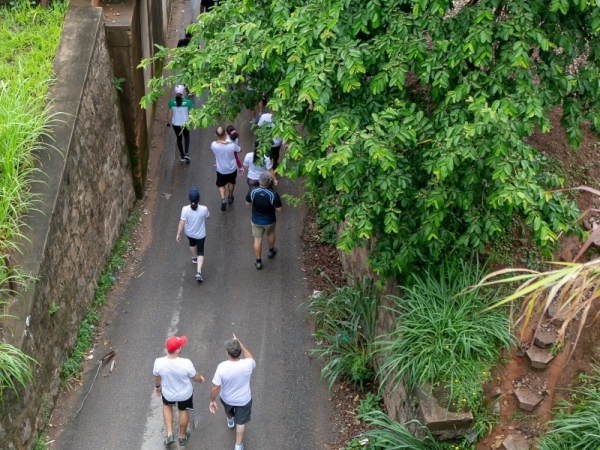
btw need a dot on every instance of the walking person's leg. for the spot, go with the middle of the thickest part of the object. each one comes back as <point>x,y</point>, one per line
<point>168,417</point>
<point>239,435</point>
<point>179,136</point>
<point>193,243</point>
<point>186,137</point>
<point>200,259</point>
<point>271,241</point>
<point>258,233</point>
<point>221,183</point>
<point>184,419</point>
<point>230,188</point>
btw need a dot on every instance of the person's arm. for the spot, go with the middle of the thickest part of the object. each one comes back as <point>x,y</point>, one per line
<point>245,352</point>
<point>198,378</point>
<point>212,405</point>
<point>273,177</point>
<point>179,230</point>
<point>157,384</point>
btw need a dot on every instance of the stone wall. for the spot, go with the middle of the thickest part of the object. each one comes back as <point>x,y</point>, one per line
<point>86,196</point>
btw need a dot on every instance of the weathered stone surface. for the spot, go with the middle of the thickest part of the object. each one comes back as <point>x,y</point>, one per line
<point>442,423</point>
<point>539,358</point>
<point>515,442</point>
<point>527,399</point>
<point>545,337</point>
<point>86,196</point>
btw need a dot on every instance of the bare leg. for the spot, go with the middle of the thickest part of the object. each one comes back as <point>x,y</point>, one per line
<point>184,418</point>
<point>239,434</point>
<point>199,265</point>
<point>271,240</point>
<point>257,247</point>
<point>168,416</point>
<point>222,192</point>
<point>194,252</point>
<point>231,187</point>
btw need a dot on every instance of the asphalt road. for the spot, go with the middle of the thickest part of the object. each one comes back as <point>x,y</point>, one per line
<point>291,406</point>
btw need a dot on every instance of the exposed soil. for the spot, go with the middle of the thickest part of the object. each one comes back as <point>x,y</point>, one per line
<point>579,167</point>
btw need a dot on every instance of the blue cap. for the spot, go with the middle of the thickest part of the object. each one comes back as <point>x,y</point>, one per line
<point>194,194</point>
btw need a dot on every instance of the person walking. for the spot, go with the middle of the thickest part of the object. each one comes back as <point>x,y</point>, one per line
<point>264,204</point>
<point>232,381</point>
<point>255,165</point>
<point>226,165</point>
<point>179,114</point>
<point>173,382</point>
<point>276,142</point>
<point>193,223</point>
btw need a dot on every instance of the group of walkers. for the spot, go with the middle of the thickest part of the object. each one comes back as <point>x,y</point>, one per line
<point>173,375</point>
<point>261,179</point>
<point>173,378</point>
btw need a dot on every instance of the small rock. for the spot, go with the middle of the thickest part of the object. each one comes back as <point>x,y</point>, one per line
<point>496,408</point>
<point>515,443</point>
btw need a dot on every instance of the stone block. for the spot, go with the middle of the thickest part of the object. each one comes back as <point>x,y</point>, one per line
<point>443,424</point>
<point>515,442</point>
<point>527,399</point>
<point>539,358</point>
<point>545,337</point>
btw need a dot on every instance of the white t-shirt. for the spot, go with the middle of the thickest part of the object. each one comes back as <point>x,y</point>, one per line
<point>194,221</point>
<point>234,379</point>
<point>268,119</point>
<point>175,375</point>
<point>254,171</point>
<point>224,154</point>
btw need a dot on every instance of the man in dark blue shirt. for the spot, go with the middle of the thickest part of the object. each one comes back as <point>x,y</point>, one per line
<point>264,204</point>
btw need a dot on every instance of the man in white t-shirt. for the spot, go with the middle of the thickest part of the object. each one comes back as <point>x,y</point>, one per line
<point>232,379</point>
<point>172,381</point>
<point>193,223</point>
<point>227,168</point>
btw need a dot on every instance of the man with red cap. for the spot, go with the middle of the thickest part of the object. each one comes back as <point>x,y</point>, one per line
<point>172,381</point>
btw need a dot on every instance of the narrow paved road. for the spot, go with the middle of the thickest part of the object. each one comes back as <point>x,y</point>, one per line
<point>291,408</point>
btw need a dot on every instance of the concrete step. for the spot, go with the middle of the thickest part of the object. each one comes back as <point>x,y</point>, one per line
<point>538,358</point>
<point>527,399</point>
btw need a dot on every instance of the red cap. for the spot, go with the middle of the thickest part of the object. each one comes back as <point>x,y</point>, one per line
<point>175,343</point>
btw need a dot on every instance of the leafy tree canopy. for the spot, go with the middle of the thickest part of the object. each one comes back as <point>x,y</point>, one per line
<point>408,120</point>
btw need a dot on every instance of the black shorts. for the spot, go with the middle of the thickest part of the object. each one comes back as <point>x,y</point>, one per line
<point>186,405</point>
<point>198,243</point>
<point>222,179</point>
<point>241,414</point>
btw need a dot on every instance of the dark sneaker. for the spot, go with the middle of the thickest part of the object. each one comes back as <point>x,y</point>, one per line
<point>258,265</point>
<point>169,440</point>
<point>230,422</point>
<point>199,277</point>
<point>230,199</point>
<point>184,440</point>
<point>223,204</point>
<point>194,260</point>
<point>187,158</point>
<point>272,252</point>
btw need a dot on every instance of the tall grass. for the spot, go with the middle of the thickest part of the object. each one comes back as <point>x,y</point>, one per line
<point>345,326</point>
<point>443,338</point>
<point>28,40</point>
<point>576,424</point>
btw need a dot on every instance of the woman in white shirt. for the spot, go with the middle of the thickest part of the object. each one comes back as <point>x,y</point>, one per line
<point>255,165</point>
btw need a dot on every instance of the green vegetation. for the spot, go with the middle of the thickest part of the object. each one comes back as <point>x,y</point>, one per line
<point>28,39</point>
<point>71,367</point>
<point>576,423</point>
<point>408,120</point>
<point>442,337</point>
<point>345,328</point>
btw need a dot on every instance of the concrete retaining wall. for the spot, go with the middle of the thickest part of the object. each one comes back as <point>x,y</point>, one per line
<point>87,195</point>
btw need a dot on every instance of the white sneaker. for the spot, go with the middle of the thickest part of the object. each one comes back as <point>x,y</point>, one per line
<point>238,447</point>
<point>231,423</point>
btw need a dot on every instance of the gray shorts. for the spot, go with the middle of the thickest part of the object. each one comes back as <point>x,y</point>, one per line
<point>241,414</point>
